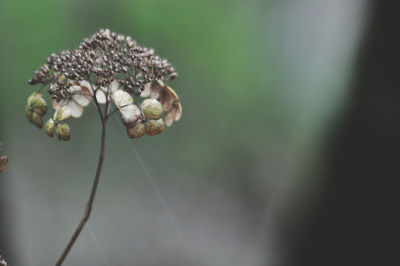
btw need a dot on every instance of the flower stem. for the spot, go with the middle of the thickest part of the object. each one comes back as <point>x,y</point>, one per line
<point>89,204</point>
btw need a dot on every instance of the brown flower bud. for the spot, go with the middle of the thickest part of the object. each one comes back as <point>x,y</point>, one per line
<point>3,162</point>
<point>137,130</point>
<point>152,109</point>
<point>36,103</point>
<point>49,127</point>
<point>36,120</point>
<point>63,132</point>
<point>154,127</point>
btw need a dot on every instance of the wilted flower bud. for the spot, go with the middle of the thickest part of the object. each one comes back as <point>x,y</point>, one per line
<point>37,104</point>
<point>154,127</point>
<point>36,120</point>
<point>130,114</point>
<point>63,132</point>
<point>136,131</point>
<point>152,109</point>
<point>3,162</point>
<point>49,127</point>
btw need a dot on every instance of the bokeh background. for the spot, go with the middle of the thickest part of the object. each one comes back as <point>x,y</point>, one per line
<point>288,132</point>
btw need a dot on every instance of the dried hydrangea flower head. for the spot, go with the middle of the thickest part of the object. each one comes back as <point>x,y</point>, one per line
<point>107,68</point>
<point>3,160</point>
<point>114,74</point>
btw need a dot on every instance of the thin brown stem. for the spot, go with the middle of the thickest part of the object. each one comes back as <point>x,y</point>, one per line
<point>89,204</point>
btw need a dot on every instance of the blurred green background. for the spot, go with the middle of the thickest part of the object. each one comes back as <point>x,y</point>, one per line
<point>261,82</point>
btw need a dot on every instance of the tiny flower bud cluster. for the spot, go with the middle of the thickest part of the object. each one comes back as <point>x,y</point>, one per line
<point>106,56</point>
<point>106,68</point>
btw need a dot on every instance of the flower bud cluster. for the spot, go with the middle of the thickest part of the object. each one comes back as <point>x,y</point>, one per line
<point>106,56</point>
<point>35,109</point>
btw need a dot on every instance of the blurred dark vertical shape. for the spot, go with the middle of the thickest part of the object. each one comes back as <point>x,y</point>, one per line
<point>4,247</point>
<point>357,221</point>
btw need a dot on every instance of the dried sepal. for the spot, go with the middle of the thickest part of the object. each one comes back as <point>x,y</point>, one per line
<point>62,113</point>
<point>130,114</point>
<point>168,97</point>
<point>49,127</point>
<point>121,98</point>
<point>154,127</point>
<point>152,109</point>
<point>137,130</point>
<point>63,132</point>
<point>173,114</point>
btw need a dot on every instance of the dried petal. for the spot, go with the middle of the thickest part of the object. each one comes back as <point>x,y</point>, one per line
<point>81,99</point>
<point>85,85</point>
<point>136,131</point>
<point>169,116</point>
<point>178,114</point>
<point>100,96</point>
<point>113,86</point>
<point>63,113</point>
<point>130,114</point>
<point>168,97</point>
<point>154,127</point>
<point>121,98</point>
<point>152,109</point>
<point>76,109</point>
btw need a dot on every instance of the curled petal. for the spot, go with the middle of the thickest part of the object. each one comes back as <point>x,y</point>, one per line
<point>173,114</point>
<point>168,97</point>
<point>169,116</point>
<point>156,87</point>
<point>178,113</point>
